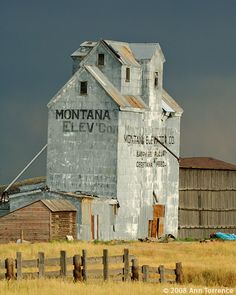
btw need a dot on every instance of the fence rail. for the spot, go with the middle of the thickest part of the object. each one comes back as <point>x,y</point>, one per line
<point>80,268</point>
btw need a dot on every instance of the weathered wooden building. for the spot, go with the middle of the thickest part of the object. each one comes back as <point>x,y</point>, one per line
<point>42,220</point>
<point>207,198</point>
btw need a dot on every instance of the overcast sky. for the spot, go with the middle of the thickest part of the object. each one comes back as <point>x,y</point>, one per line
<point>37,37</point>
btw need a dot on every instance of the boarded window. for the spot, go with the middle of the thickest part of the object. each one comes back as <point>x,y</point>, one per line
<point>127,76</point>
<point>83,87</point>
<point>156,79</point>
<point>101,59</point>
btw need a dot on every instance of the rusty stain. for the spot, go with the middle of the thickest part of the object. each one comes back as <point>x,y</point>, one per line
<point>134,102</point>
<point>205,163</point>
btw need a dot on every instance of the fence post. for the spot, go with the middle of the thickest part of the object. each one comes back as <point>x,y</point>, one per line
<point>126,264</point>
<point>9,264</point>
<point>21,236</point>
<point>84,262</point>
<point>77,272</point>
<point>41,264</point>
<point>18,265</point>
<point>135,270</point>
<point>105,265</point>
<point>145,271</point>
<point>63,271</point>
<point>162,273</point>
<point>179,273</point>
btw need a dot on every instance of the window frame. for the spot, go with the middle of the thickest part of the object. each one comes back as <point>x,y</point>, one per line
<point>156,79</point>
<point>127,74</point>
<point>101,57</point>
<point>82,88</point>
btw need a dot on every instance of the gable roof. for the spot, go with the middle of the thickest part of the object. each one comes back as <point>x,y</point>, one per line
<point>205,163</point>
<point>126,53</point>
<point>145,50</point>
<point>58,205</point>
<point>123,52</point>
<point>124,101</point>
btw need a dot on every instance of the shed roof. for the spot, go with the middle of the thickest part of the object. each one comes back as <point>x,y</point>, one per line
<point>205,163</point>
<point>58,205</point>
<point>169,104</point>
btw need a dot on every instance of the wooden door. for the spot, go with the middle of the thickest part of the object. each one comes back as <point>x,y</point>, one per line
<point>156,226</point>
<point>95,227</point>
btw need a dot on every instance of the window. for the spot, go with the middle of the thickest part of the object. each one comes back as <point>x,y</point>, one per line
<point>101,59</point>
<point>156,79</point>
<point>83,87</point>
<point>127,76</point>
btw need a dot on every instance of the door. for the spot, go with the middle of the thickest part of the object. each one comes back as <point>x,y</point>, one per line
<point>95,227</point>
<point>156,226</point>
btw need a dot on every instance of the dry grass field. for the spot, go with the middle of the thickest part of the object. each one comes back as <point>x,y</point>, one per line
<point>211,265</point>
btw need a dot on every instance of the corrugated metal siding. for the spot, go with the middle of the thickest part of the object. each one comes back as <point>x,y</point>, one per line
<point>207,202</point>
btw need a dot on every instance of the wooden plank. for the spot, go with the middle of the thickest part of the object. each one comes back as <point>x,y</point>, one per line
<point>95,260</point>
<point>158,211</point>
<point>179,273</point>
<point>126,264</point>
<point>145,271</point>
<point>135,270</point>
<point>153,269</point>
<point>105,265</point>
<point>2,264</point>
<point>52,262</point>
<point>162,274</point>
<point>115,259</point>
<point>84,263</point>
<point>77,272</point>
<point>92,226</point>
<point>30,263</point>
<point>154,228</point>
<point>169,271</point>
<point>19,265</point>
<point>41,264</point>
<point>208,209</point>
<point>63,263</point>
<point>10,269</point>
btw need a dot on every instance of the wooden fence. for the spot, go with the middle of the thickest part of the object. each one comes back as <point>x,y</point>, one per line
<point>79,268</point>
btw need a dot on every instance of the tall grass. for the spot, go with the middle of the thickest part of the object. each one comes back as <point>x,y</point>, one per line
<point>204,264</point>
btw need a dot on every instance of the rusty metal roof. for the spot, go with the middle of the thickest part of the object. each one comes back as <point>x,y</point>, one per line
<point>205,163</point>
<point>171,103</point>
<point>124,101</point>
<point>124,52</point>
<point>58,205</point>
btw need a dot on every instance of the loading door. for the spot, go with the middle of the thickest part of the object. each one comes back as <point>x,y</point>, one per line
<point>156,226</point>
<point>95,227</point>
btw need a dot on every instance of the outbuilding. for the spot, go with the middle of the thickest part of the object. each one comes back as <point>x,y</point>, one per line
<point>43,220</point>
<point>207,197</point>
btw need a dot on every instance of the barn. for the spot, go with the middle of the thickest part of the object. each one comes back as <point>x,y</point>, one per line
<point>207,197</point>
<point>43,220</point>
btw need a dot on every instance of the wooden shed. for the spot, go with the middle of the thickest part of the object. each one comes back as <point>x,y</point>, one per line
<point>43,220</point>
<point>207,197</point>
